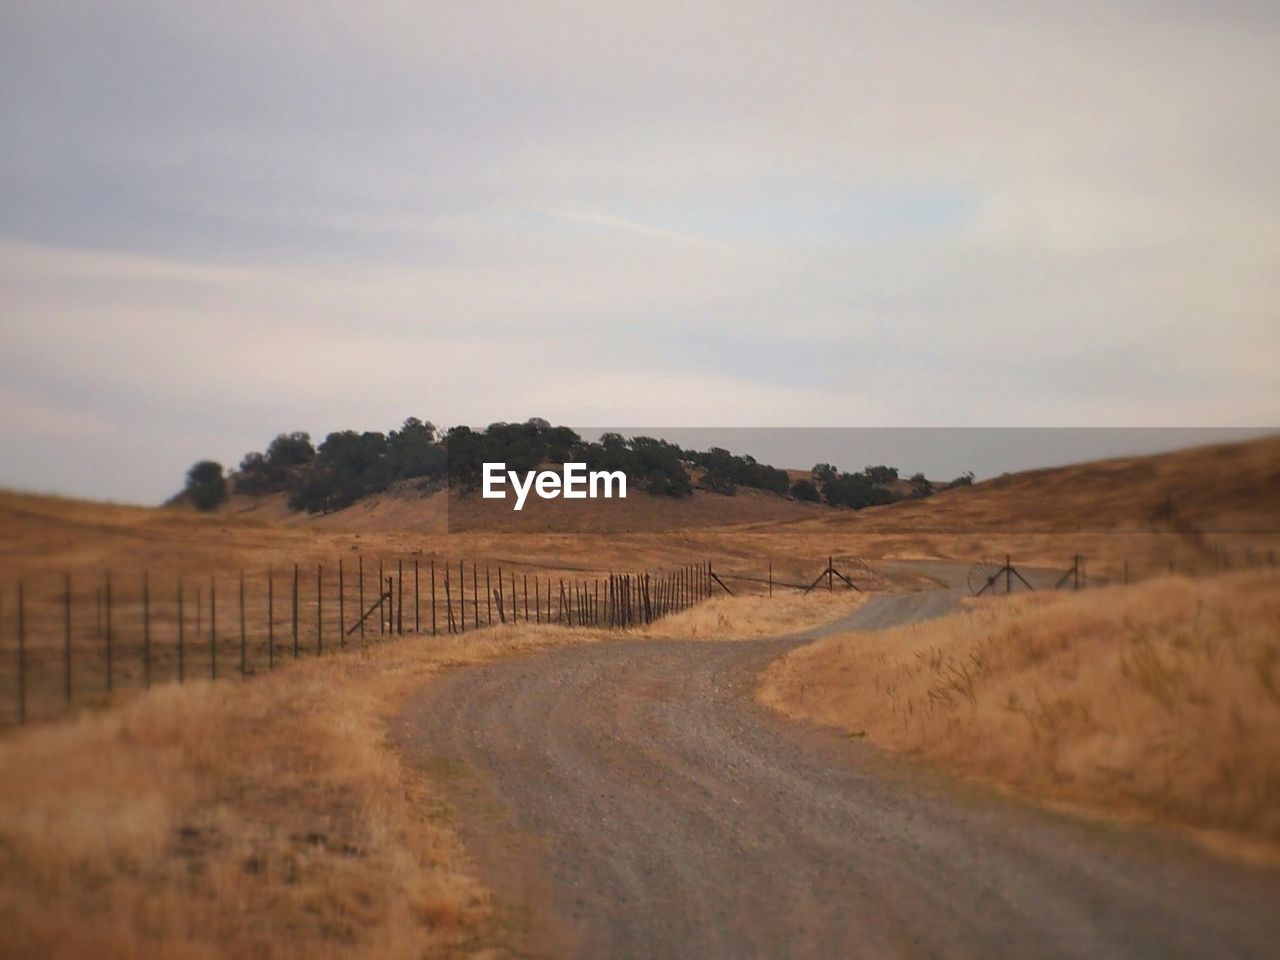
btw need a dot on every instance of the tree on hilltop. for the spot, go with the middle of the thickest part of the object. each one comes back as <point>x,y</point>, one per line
<point>206,485</point>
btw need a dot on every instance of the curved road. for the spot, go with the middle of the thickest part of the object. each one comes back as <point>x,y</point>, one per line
<point>632,800</point>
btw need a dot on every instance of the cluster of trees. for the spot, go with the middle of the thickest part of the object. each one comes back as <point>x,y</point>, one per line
<point>346,466</point>
<point>349,465</point>
<point>869,487</point>
<point>725,472</point>
<point>651,464</point>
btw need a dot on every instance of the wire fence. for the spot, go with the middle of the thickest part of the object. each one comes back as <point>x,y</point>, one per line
<point>68,640</point>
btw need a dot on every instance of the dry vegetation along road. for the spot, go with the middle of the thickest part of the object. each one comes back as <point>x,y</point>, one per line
<point>633,800</point>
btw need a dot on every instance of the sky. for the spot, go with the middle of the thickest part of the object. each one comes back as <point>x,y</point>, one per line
<point>223,221</point>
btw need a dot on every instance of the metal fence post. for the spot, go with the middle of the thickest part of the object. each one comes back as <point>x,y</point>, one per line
<point>66,635</point>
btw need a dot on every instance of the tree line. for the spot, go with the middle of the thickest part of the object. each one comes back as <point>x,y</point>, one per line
<point>349,465</point>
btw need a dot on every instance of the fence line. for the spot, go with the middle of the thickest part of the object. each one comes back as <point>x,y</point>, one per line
<point>78,641</point>
<point>72,641</point>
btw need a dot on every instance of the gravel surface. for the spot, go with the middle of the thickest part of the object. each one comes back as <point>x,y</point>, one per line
<point>633,800</point>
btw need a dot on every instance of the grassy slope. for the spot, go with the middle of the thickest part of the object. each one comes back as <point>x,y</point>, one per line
<point>1160,700</point>
<point>266,819</point>
<point>271,818</point>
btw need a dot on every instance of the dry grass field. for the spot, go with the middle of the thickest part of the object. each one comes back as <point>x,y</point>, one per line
<point>1160,700</point>
<point>263,819</point>
<point>751,617</point>
<point>206,819</point>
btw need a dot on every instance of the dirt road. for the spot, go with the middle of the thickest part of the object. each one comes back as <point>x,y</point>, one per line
<point>632,800</point>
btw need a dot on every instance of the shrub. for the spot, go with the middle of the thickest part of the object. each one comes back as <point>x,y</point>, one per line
<point>806,491</point>
<point>920,486</point>
<point>206,485</point>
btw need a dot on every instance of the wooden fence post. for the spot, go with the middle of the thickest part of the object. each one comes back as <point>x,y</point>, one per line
<point>213,628</point>
<point>146,631</point>
<point>319,609</point>
<point>448,599</point>
<point>244,640</point>
<point>22,655</point>
<point>475,596</point>
<point>66,635</point>
<point>271,619</point>
<point>181,644</point>
<point>107,590</point>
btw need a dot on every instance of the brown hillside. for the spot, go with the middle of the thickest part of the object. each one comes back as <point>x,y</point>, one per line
<point>404,508</point>
<point>1042,516</point>
<point>1225,488</point>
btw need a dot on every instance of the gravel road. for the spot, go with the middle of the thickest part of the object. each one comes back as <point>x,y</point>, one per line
<point>632,800</point>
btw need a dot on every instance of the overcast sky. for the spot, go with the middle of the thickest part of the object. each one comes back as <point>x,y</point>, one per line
<point>219,221</point>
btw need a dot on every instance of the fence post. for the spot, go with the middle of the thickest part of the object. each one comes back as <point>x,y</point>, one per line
<point>213,629</point>
<point>244,645</point>
<point>66,634</point>
<point>181,638</point>
<point>22,656</point>
<point>475,596</point>
<point>271,619</point>
<point>462,596</point>
<point>526,597</point>
<point>319,609</point>
<point>146,631</point>
<point>433,598</point>
<point>107,591</point>
<point>182,645</point>
<point>448,599</point>
<point>1008,574</point>
<point>417,621</point>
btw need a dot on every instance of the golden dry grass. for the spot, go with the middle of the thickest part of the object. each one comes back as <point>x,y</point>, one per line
<point>1105,510</point>
<point>269,818</point>
<point>755,616</point>
<point>1160,700</point>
